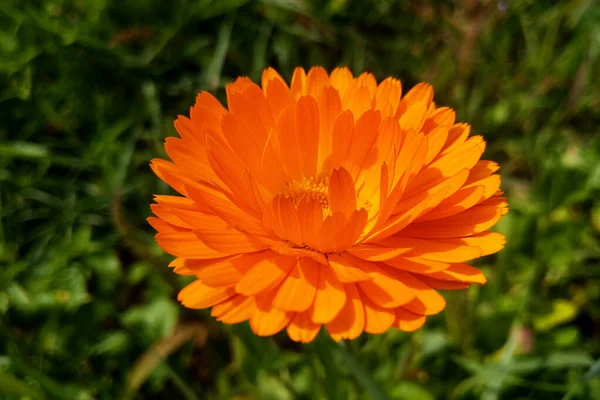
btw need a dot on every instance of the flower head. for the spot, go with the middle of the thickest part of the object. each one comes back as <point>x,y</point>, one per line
<point>333,201</point>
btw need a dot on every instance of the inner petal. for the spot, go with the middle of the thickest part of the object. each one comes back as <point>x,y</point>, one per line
<point>299,209</point>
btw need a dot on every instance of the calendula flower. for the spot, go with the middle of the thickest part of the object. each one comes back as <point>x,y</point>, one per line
<point>334,201</point>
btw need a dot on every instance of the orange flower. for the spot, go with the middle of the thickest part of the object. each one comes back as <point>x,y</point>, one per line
<point>333,201</point>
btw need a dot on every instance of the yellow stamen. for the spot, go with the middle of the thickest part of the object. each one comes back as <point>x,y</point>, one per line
<point>315,189</point>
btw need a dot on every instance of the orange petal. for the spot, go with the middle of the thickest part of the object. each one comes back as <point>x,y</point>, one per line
<point>330,230</point>
<point>269,74</point>
<point>466,223</point>
<point>461,273</point>
<point>171,174</point>
<point>273,175</point>
<point>457,135</point>
<point>278,96</point>
<point>289,140</point>
<point>175,202</point>
<point>342,194</point>
<point>389,141</point>
<point>409,160</point>
<point>488,242</point>
<point>399,222</point>
<point>235,176</point>
<point>307,128</point>
<point>250,106</point>
<point>373,252</point>
<point>330,106</point>
<point>388,93</point>
<point>350,321</point>
<point>341,137</point>
<point>464,157</point>
<point>491,185</point>
<point>298,86</point>
<point>377,319</point>
<point>498,202</point>
<point>482,170</point>
<point>245,143</point>
<point>297,291</point>
<point>307,120</point>
<point>416,264</point>
<point>285,220</point>
<point>177,262</point>
<point>222,205</point>
<point>231,270</point>
<point>345,270</point>
<point>162,226</point>
<point>439,117</point>
<point>266,319</point>
<point>407,321</point>
<point>462,200</point>
<point>442,190</point>
<point>216,233</point>
<point>282,248</point>
<point>353,228</point>
<point>357,99</point>
<point>190,155</point>
<point>198,295</point>
<point>420,93</point>
<point>229,241</point>
<point>329,298</point>
<point>434,250</point>
<point>187,245</point>
<point>265,275</point>
<point>179,267</point>
<point>234,310</point>
<point>316,80</point>
<point>302,329</point>
<point>427,301</point>
<point>414,117</point>
<point>238,85</point>
<point>368,81</point>
<point>341,79</point>
<point>310,217</point>
<point>444,285</point>
<point>363,139</point>
<point>207,111</point>
<point>166,215</point>
<point>384,289</point>
<point>196,264</point>
<point>436,139</point>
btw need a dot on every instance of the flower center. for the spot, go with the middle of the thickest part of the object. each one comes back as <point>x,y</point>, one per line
<point>312,188</point>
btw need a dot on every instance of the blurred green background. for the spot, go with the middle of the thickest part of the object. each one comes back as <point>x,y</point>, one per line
<point>88,92</point>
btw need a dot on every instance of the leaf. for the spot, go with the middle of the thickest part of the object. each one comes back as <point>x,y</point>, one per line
<point>562,311</point>
<point>272,388</point>
<point>23,150</point>
<point>474,367</point>
<point>13,386</point>
<point>155,319</point>
<point>113,343</point>
<point>594,370</point>
<point>410,390</point>
<point>364,379</point>
<point>212,74</point>
<point>57,390</point>
<point>572,359</point>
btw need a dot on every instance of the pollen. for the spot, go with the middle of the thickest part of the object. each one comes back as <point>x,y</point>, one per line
<point>312,188</point>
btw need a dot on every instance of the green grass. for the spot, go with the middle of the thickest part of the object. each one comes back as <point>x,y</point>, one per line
<point>88,92</point>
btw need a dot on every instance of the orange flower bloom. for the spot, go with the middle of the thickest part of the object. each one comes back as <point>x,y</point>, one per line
<point>333,201</point>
